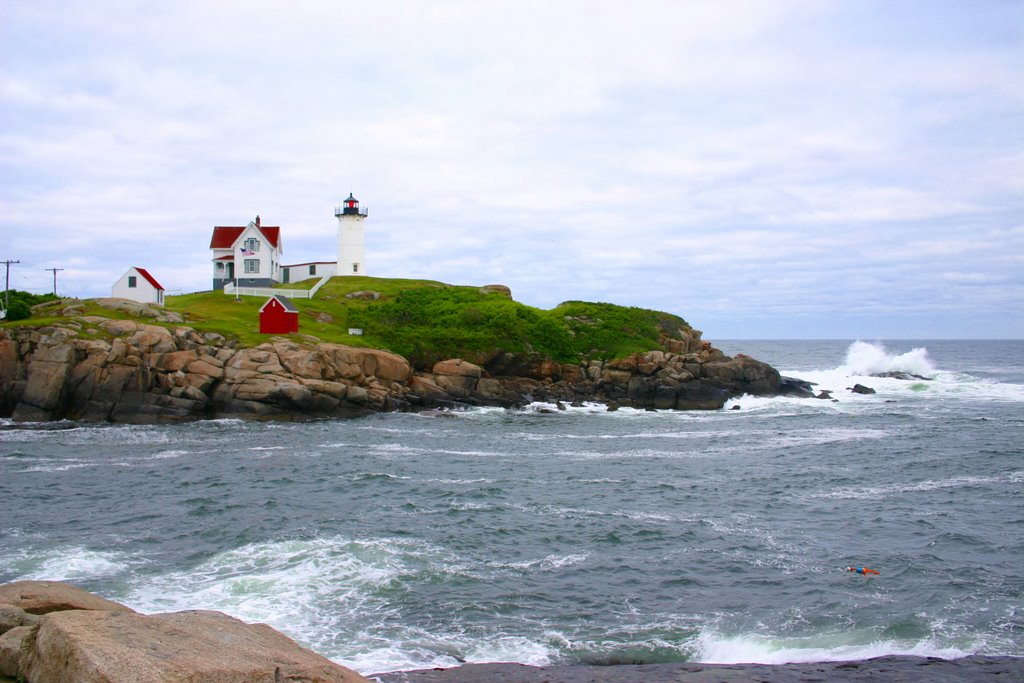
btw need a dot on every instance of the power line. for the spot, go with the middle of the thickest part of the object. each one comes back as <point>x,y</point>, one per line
<point>54,278</point>
<point>7,284</point>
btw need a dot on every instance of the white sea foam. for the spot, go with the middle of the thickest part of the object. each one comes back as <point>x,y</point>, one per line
<point>59,466</point>
<point>417,649</point>
<point>70,563</point>
<point>548,563</point>
<point>863,358</point>
<point>713,648</point>
<point>876,492</point>
<point>315,590</point>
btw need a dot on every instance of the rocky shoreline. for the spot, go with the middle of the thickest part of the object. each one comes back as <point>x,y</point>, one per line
<point>97,369</point>
<point>52,632</point>
<point>896,669</point>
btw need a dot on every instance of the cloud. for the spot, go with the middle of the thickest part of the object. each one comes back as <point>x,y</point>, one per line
<point>728,161</point>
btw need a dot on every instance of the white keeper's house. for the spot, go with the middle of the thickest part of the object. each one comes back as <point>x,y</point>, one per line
<point>250,256</point>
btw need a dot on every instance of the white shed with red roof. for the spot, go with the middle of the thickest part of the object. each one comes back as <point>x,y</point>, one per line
<point>138,285</point>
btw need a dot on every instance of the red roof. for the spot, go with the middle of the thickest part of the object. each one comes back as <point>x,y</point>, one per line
<point>145,273</point>
<point>224,236</point>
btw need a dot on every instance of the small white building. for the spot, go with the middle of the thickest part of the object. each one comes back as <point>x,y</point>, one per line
<point>138,285</point>
<point>297,272</point>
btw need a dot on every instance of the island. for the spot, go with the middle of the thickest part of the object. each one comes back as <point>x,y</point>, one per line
<point>365,345</point>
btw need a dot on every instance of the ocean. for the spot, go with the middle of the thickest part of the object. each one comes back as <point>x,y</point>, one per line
<point>541,536</point>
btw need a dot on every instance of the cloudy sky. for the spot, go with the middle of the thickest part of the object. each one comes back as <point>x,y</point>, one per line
<point>766,169</point>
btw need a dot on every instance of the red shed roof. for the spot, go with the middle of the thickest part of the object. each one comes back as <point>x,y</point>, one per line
<point>224,235</point>
<point>284,301</point>
<point>152,280</point>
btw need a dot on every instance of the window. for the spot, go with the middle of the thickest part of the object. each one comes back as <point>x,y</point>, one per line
<point>252,244</point>
<point>355,267</point>
<point>132,281</point>
<point>312,269</point>
<point>252,265</point>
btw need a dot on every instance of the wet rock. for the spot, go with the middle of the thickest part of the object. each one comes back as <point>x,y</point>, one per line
<point>861,389</point>
<point>84,638</point>
<point>897,374</point>
<point>797,388</point>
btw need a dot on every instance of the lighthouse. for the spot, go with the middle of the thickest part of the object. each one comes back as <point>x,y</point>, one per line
<point>351,238</point>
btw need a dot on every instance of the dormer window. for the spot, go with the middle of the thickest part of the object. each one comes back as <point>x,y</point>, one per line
<point>251,245</point>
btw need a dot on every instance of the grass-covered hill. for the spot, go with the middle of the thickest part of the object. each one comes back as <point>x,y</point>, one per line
<point>426,321</point>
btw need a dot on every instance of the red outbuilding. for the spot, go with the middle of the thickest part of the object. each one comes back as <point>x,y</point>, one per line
<point>279,316</point>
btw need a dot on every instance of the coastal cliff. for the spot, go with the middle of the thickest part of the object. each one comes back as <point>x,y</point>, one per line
<point>93,368</point>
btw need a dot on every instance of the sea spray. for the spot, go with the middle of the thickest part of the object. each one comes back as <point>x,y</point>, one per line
<point>863,358</point>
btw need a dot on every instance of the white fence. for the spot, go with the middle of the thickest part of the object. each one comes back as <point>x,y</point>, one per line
<point>231,290</point>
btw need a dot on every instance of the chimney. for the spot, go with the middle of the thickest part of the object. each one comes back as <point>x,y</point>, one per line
<point>257,221</point>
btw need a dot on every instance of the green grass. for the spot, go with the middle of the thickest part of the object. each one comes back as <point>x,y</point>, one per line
<point>427,321</point>
<point>303,284</point>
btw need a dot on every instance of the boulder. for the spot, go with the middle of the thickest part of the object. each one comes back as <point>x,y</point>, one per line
<point>861,389</point>
<point>364,295</point>
<point>119,328</point>
<point>798,388</point>
<point>43,597</point>
<point>698,395</point>
<point>456,367</point>
<point>47,375</point>
<point>87,639</point>
<point>899,374</point>
<point>176,360</point>
<point>503,290</point>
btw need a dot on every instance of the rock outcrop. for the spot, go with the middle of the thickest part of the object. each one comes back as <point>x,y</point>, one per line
<point>53,633</point>
<point>97,369</point>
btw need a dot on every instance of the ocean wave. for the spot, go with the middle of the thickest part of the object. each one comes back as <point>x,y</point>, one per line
<point>547,563</point>
<point>868,363</point>
<point>66,563</point>
<point>876,492</point>
<point>714,648</point>
<point>863,358</point>
<point>315,589</point>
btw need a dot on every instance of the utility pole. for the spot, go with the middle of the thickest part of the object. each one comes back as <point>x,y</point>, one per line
<point>54,278</point>
<point>7,284</point>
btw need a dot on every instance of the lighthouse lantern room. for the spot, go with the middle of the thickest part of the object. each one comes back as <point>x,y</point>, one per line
<point>351,238</point>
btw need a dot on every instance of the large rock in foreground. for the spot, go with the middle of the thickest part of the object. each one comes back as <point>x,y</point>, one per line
<point>52,632</point>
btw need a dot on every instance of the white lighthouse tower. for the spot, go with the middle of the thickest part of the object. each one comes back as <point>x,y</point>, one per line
<point>351,239</point>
